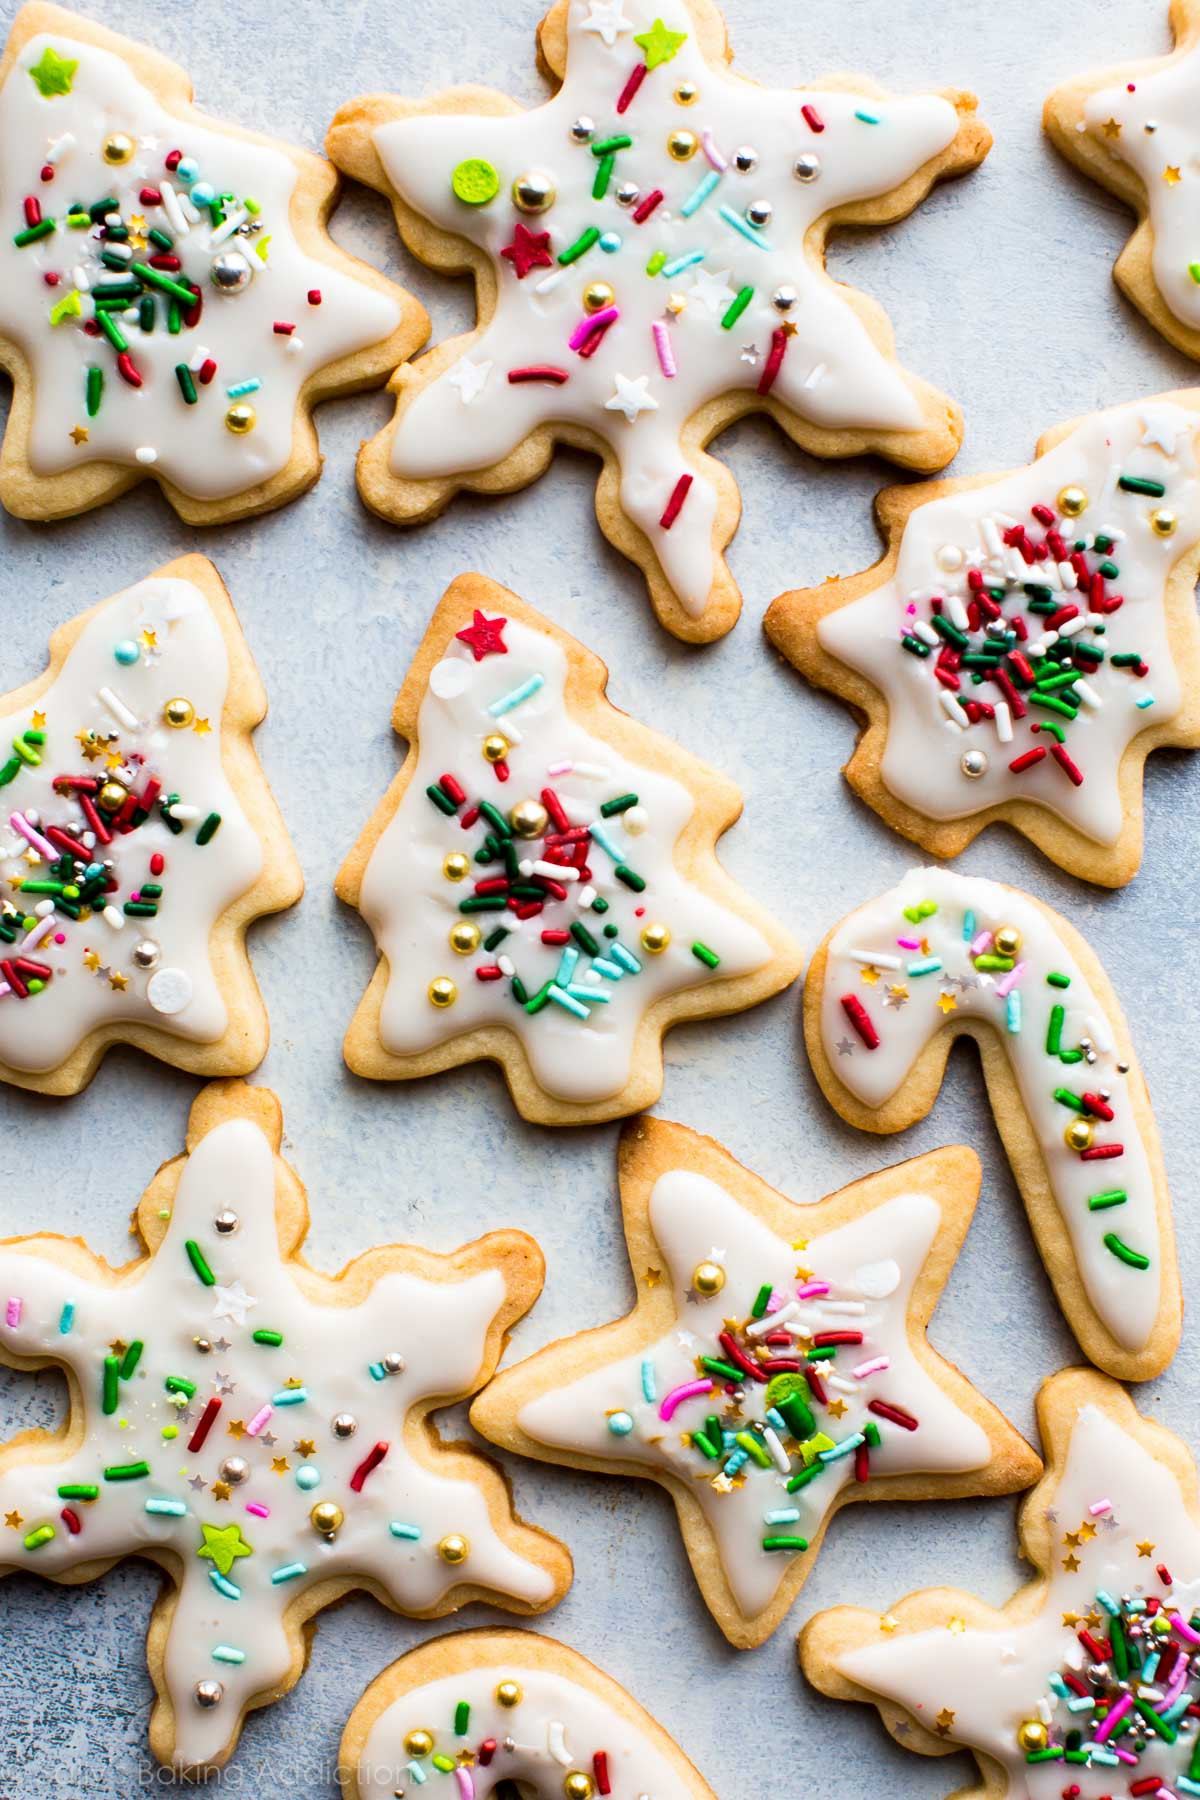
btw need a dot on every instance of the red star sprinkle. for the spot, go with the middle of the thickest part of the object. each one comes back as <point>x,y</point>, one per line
<point>484,636</point>
<point>528,250</point>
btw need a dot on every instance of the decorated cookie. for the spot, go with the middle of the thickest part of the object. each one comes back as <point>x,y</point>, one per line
<point>943,956</point>
<point>171,304</point>
<point>138,840</point>
<point>1136,130</point>
<point>494,1707</point>
<point>774,1368</point>
<point>260,1430</point>
<point>541,877</point>
<point>1026,641</point>
<point>648,251</point>
<point>1085,1683</point>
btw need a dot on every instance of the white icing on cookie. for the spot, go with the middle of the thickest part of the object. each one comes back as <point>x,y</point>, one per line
<point>242,1539</point>
<point>1032,566</point>
<point>231,355</point>
<point>924,954</point>
<point>102,726</point>
<point>1117,1517</point>
<point>579,1034</point>
<point>560,1726</point>
<point>715,314</point>
<point>1157,133</point>
<point>648,1407</point>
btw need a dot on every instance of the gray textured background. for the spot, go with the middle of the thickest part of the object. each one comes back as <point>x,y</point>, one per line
<point>1000,292</point>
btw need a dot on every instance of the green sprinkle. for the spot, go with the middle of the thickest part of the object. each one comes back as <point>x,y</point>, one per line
<point>94,390</point>
<point>462,1715</point>
<point>621,804</point>
<point>746,1440</point>
<point>1065,1097</point>
<point>1110,1197</point>
<point>1140,484</point>
<point>209,829</point>
<point>441,800</point>
<point>714,1366</point>
<point>785,1542</point>
<point>607,145</point>
<point>271,1338</point>
<point>197,1260</point>
<point>483,903</point>
<point>112,1370</point>
<point>761,1299</point>
<point>133,1357</point>
<point>804,1476</point>
<point>187,386</point>
<point>156,278</point>
<point>446,1764</point>
<point>126,1471</point>
<point>736,308</point>
<point>603,177</point>
<point>708,957</point>
<point>630,877</point>
<point>78,1490</point>
<point>179,1384</point>
<point>1132,1258</point>
<point>657,261</point>
<point>584,938</point>
<point>40,1535</point>
<point>582,243</point>
<point>1055,979</point>
<point>32,233</point>
<point>111,330</point>
<point>1054,1030</point>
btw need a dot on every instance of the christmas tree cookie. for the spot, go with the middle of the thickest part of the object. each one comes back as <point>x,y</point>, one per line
<point>258,1429</point>
<point>541,878</point>
<point>138,840</point>
<point>171,304</point>
<point>1025,641</point>
<point>508,1706</point>
<point>648,253</point>
<point>775,1366</point>
<point>1085,1683</point>
<point>1136,130</point>
<point>944,956</point>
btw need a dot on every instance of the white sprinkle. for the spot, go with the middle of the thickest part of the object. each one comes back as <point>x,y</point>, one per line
<point>554,871</point>
<point>779,1455</point>
<point>841,1384</point>
<point>957,611</point>
<point>925,632</point>
<point>1067,575</point>
<point>1073,626</point>
<point>171,207</point>
<point>953,709</point>
<point>59,147</point>
<point>549,282</point>
<point>596,771</point>
<point>118,709</point>
<point>506,966</point>
<point>198,361</point>
<point>1088,694</point>
<point>1101,1036</point>
<point>586,895</point>
<point>227,228</point>
<point>875,959</point>
<point>851,1309</point>
<point>189,210</point>
<point>991,537</point>
<point>185,814</point>
<point>146,453</point>
<point>1004,730</point>
<point>773,1319</point>
<point>556,1742</point>
<point>114,917</point>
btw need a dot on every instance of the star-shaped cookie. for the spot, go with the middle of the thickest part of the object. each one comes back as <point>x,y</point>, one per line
<point>976,958</point>
<point>1025,641</point>
<point>171,304</point>
<point>779,1370</point>
<point>1136,130</point>
<point>628,239</point>
<point>138,840</point>
<point>541,876</point>
<point>1086,1681</point>
<point>150,1463</point>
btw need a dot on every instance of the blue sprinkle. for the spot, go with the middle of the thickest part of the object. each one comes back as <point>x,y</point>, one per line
<point>288,1572</point>
<point>610,970</point>
<point>680,263</point>
<point>610,241</point>
<point>783,1515</point>
<point>227,1654</point>
<point>566,965</point>
<point>66,1317</point>
<point>1013,1013</point>
<point>625,957</point>
<point>290,1397</point>
<point>398,1530</point>
<point>699,194</point>
<point>649,1386</point>
<point>567,1001</point>
<point>526,691</point>
<point>968,927</point>
<point>223,1585</point>
<point>843,1449</point>
<point>174,1509</point>
<point>748,231</point>
<point>376,1371</point>
<point>236,391</point>
<point>928,965</point>
<point>868,118</point>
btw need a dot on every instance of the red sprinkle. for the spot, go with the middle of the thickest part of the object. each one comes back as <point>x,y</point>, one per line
<point>862,1463</point>
<point>1096,1104</point>
<point>540,372</point>
<point>486,1751</point>
<point>33,210</point>
<point>47,171</point>
<point>631,87</point>
<point>674,506</point>
<point>1027,758</point>
<point>812,118</point>
<point>774,362</point>
<point>70,1519</point>
<point>207,1419</point>
<point>736,1354</point>
<point>14,981</point>
<point>314,296</point>
<point>370,1461</point>
<point>157,863</point>
<point>859,1017</point>
<point>453,788</point>
<point>644,208</point>
<point>282,329</point>
<point>600,1771</point>
<point>489,972</point>
<point>150,196</point>
<point>127,371</point>
<point>173,159</point>
<point>824,1338</point>
<point>816,1384</point>
<point>896,1414</point>
<point>1063,758</point>
<point>207,370</point>
<point>1102,1153</point>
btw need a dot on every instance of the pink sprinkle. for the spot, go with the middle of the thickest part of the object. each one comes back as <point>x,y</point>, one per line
<point>20,823</point>
<point>259,1420</point>
<point>594,322</point>
<point>909,943</point>
<point>1114,1718</point>
<point>662,343</point>
<point>716,160</point>
<point>41,930</point>
<point>12,1314</point>
<point>1184,1629</point>
<point>1007,982</point>
<point>1100,1506</point>
<point>1125,1756</point>
<point>258,1509</point>
<point>980,943</point>
<point>678,1395</point>
<point>812,1290</point>
<point>871,1368</point>
<point>60,937</point>
<point>560,768</point>
<point>466,1783</point>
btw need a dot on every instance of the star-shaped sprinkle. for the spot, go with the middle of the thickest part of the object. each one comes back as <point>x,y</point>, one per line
<point>682,1193</point>
<point>1171,175</point>
<point>631,396</point>
<point>1080,1630</point>
<point>944,1721</point>
<point>232,1303</point>
<point>947,1003</point>
<point>965,924</point>
<point>1145,1548</point>
<point>614,159</point>
<point>53,74</point>
<point>243,1552</point>
<point>484,636</point>
<point>78,434</point>
<point>13,1520</point>
<point>659,45</point>
<point>469,379</point>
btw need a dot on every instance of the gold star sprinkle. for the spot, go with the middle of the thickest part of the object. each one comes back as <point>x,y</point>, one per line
<point>1171,175</point>
<point>956,1625</point>
<point>118,1347</point>
<point>944,1721</point>
<point>948,1002</point>
<point>1070,1620</point>
<point>280,1465</point>
<point>1070,1563</point>
<point>653,1277</point>
<point>1145,1548</point>
<point>236,1428</point>
<point>837,1408</point>
<point>78,434</point>
<point>1112,128</point>
<point>38,721</point>
<point>221,1490</point>
<point>869,973</point>
<point>201,727</point>
<point>888,1622</point>
<point>721,1484</point>
<point>14,1521</point>
<point>118,982</point>
<point>1087,1532</point>
<point>91,959</point>
<point>150,640</point>
<point>1072,1538</point>
<point>305,1447</point>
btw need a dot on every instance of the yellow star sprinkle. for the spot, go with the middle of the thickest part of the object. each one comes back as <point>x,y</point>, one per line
<point>888,1622</point>
<point>1070,1563</point>
<point>221,1490</point>
<point>236,1428</point>
<point>305,1447</point>
<point>1171,175</point>
<point>1070,1620</point>
<point>1112,128</point>
<point>14,1521</point>
<point>869,973</point>
<point>91,959</point>
<point>78,434</point>
<point>1145,1548</point>
<point>948,1002</point>
<point>201,727</point>
<point>944,1721</point>
<point>118,982</point>
<point>38,721</point>
<point>653,1277</point>
<point>280,1465</point>
<point>1087,1532</point>
<point>956,1625</point>
<point>837,1408</point>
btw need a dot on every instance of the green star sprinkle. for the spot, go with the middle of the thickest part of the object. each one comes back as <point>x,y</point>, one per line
<point>53,73</point>
<point>223,1544</point>
<point>658,44</point>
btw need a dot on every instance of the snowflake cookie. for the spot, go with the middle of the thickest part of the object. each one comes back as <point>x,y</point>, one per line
<point>648,252</point>
<point>1025,641</point>
<point>541,877</point>
<point>260,1430</point>
<point>775,1366</point>
<point>508,1706</point>
<point>138,840</point>
<point>1085,1683</point>
<point>944,956</point>
<point>171,304</point>
<point>1136,130</point>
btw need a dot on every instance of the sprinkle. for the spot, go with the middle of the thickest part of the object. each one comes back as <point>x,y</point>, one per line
<point>171,1509</point>
<point>1133,1258</point>
<point>370,1461</point>
<point>663,349</point>
<point>686,1391</point>
<point>649,1386</point>
<point>205,1425</point>
<point>582,243</point>
<point>700,193</point>
<point>703,954</point>
<point>227,1654</point>
<point>41,1534</point>
<point>133,1471</point>
<point>538,372</point>
<point>289,1572</point>
<point>12,1312</point>
<point>739,224</point>
<point>858,1016</point>
<point>224,1586</point>
<point>525,692</point>
<point>674,506</point>
<point>409,1532</point>
<point>197,1259</point>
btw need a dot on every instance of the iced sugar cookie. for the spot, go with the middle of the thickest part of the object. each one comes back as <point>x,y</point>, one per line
<point>1025,642</point>
<point>648,249</point>
<point>138,840</point>
<point>171,304</point>
<point>1086,1681</point>
<point>260,1430</point>
<point>541,878</point>
<point>508,1706</point>
<point>943,956</point>
<point>774,1368</point>
<point>1136,130</point>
